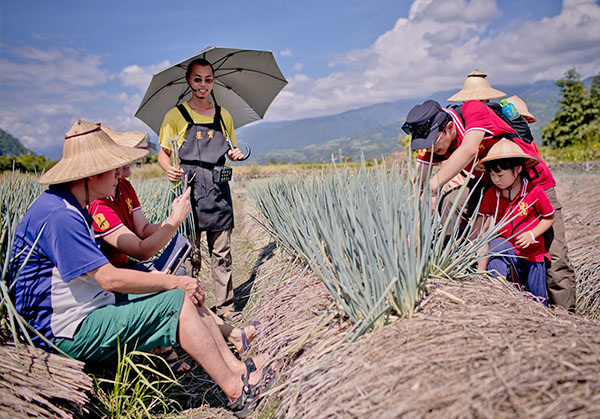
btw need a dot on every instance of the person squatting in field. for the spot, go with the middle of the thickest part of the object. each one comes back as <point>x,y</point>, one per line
<point>514,197</point>
<point>459,139</point>
<point>65,287</point>
<point>201,129</point>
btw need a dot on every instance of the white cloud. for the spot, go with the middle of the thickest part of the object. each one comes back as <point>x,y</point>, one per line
<point>473,11</point>
<point>43,92</point>
<point>438,45</point>
<point>139,77</point>
<point>52,69</point>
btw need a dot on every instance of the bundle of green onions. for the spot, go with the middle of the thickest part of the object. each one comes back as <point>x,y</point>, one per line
<point>177,188</point>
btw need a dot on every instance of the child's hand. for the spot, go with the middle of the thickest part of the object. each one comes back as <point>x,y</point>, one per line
<point>524,239</point>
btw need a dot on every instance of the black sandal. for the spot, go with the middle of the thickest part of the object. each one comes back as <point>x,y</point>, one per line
<point>251,394</point>
<point>250,366</point>
<point>175,364</point>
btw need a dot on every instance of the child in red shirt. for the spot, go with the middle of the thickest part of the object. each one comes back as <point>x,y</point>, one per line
<point>521,241</point>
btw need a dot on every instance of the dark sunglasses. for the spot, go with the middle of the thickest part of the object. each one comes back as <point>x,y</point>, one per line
<point>208,80</point>
<point>418,129</point>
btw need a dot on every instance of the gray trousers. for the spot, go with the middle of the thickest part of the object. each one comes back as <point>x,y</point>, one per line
<point>219,249</point>
<point>560,276</point>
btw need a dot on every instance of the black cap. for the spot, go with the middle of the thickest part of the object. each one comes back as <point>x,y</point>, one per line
<point>423,122</point>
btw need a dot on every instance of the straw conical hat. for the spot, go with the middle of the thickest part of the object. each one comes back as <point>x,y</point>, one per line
<point>522,108</point>
<point>88,151</point>
<point>126,139</point>
<point>476,87</point>
<point>506,149</point>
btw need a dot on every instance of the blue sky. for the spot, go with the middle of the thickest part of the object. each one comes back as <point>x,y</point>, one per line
<point>64,60</point>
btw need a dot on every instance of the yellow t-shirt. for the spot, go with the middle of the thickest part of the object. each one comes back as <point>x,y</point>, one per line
<point>175,125</point>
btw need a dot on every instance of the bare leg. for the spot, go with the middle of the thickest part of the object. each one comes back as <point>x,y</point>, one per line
<point>203,341</point>
<point>223,328</point>
<point>233,334</point>
<point>207,318</point>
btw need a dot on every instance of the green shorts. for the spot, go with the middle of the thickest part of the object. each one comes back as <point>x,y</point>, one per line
<point>141,322</point>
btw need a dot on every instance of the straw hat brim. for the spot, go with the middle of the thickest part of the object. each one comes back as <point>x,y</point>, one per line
<point>70,169</point>
<point>484,93</point>
<point>507,149</point>
<point>522,108</point>
<point>476,87</point>
<point>126,139</point>
<point>89,151</point>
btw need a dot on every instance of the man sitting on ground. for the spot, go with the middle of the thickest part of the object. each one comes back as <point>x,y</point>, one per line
<point>64,287</point>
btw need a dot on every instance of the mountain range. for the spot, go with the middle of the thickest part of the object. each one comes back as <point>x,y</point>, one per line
<point>371,131</point>
<point>11,146</point>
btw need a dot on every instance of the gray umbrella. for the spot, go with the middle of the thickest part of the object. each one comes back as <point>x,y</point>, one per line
<point>246,82</point>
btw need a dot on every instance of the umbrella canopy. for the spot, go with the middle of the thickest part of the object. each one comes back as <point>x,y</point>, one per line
<point>246,82</point>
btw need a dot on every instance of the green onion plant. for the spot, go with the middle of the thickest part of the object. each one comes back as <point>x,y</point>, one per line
<point>18,191</point>
<point>371,235</point>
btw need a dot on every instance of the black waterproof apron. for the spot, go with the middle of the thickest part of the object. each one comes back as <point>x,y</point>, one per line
<point>204,148</point>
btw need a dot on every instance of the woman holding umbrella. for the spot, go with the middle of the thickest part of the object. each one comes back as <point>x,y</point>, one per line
<point>204,135</point>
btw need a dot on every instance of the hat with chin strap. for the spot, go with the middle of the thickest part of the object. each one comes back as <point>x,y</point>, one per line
<point>507,149</point>
<point>88,150</point>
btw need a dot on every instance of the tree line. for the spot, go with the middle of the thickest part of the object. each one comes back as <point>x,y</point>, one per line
<point>574,132</point>
<point>26,163</point>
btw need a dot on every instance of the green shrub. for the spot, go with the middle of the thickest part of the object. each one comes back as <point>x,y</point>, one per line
<point>137,389</point>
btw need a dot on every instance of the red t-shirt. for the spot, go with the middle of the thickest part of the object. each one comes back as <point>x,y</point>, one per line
<point>110,214</point>
<point>478,116</point>
<point>531,204</point>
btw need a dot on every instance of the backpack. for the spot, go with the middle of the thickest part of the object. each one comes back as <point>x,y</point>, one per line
<point>518,124</point>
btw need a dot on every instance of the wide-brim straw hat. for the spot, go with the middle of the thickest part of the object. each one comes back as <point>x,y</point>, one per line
<point>126,139</point>
<point>88,150</point>
<point>507,149</point>
<point>476,87</point>
<point>522,108</point>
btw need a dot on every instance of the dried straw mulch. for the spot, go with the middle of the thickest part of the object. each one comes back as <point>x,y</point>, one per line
<point>41,385</point>
<point>473,349</point>
<point>476,349</point>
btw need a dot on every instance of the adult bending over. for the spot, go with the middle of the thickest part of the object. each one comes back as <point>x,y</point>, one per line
<point>460,140</point>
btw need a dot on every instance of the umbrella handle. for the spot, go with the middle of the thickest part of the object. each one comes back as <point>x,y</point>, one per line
<point>248,151</point>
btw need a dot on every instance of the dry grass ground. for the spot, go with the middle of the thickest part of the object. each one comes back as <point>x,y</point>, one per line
<point>474,349</point>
